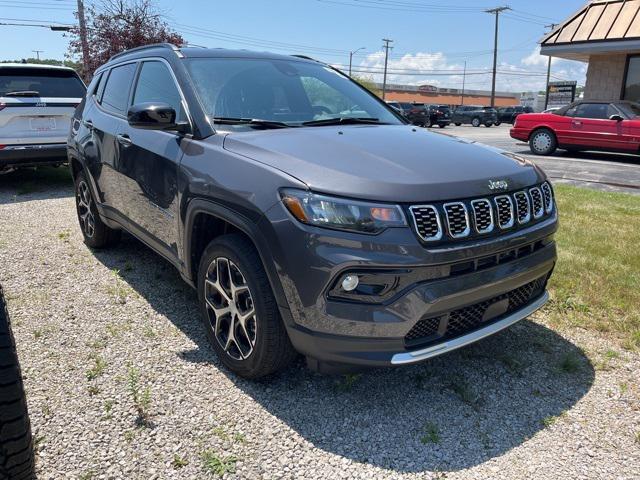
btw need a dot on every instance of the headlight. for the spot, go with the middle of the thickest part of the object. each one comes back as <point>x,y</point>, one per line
<point>341,213</point>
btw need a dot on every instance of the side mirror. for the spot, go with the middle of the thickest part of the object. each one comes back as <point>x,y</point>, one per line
<point>617,118</point>
<point>154,116</point>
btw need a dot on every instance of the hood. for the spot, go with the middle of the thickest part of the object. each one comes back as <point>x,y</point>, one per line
<point>385,162</point>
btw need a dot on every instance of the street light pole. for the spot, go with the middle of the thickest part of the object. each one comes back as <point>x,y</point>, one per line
<point>546,93</point>
<point>351,54</point>
<point>83,39</point>
<point>464,79</point>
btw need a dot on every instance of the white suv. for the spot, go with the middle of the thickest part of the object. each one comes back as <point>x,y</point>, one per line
<point>36,106</point>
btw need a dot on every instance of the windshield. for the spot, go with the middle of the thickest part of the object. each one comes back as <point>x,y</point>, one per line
<point>41,82</point>
<point>631,109</point>
<point>285,91</point>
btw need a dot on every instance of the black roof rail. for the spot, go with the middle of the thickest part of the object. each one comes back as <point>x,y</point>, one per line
<point>170,46</point>
<point>306,57</point>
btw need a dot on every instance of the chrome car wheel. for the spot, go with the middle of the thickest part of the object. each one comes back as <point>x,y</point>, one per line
<point>84,203</point>
<point>542,141</point>
<point>230,308</point>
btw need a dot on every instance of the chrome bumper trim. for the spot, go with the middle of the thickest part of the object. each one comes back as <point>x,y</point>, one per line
<point>448,346</point>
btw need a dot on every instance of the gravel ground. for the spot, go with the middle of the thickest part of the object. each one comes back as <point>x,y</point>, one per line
<point>121,383</point>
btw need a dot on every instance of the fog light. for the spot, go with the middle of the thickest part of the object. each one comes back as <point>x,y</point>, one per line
<point>350,283</point>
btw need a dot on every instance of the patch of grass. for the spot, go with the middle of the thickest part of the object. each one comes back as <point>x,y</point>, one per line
<point>93,390</point>
<point>596,282</point>
<point>570,363</point>
<point>98,368</point>
<point>430,434</point>
<point>221,433</point>
<point>511,363</point>
<point>108,408</point>
<point>239,438</point>
<point>149,332</point>
<point>88,475</point>
<point>98,344</point>
<point>215,464</point>
<point>141,396</point>
<point>129,435</point>
<point>37,333</point>
<point>178,462</point>
<point>119,288</point>
<point>638,437</point>
<point>552,419</point>
<point>46,410</point>
<point>64,235</point>
<point>611,354</point>
<point>346,383</point>
<point>464,392</point>
<point>624,387</point>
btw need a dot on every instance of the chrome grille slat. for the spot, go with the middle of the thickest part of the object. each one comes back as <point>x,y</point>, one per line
<point>427,221</point>
<point>457,219</point>
<point>548,197</point>
<point>482,215</point>
<point>504,207</point>
<point>537,202</point>
<point>523,207</point>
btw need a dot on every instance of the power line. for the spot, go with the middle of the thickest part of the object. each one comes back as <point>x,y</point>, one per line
<point>496,11</point>
<point>386,60</point>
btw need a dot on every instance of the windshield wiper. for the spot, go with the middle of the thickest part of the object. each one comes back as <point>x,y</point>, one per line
<point>252,122</point>
<point>23,93</point>
<point>343,121</point>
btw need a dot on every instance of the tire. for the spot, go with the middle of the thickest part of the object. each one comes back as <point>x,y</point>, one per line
<point>498,123</point>
<point>234,257</point>
<point>16,444</point>
<point>488,124</point>
<point>543,142</point>
<point>476,122</point>
<point>457,124</point>
<point>427,123</point>
<point>95,232</point>
<point>441,125</point>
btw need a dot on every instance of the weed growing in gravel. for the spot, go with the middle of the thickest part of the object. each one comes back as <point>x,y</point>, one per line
<point>239,438</point>
<point>64,236</point>
<point>119,289</point>
<point>149,332</point>
<point>570,363</point>
<point>178,462</point>
<point>624,386</point>
<point>98,368</point>
<point>462,389</point>
<point>46,410</point>
<point>37,333</point>
<point>552,419</point>
<point>512,364</point>
<point>108,409</point>
<point>98,344</point>
<point>141,397</point>
<point>431,434</point>
<point>347,382</point>
<point>216,465</point>
<point>93,390</point>
<point>220,433</point>
<point>638,437</point>
<point>88,475</point>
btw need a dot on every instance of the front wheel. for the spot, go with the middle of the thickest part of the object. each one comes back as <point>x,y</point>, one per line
<point>488,124</point>
<point>475,122</point>
<point>441,125</point>
<point>239,310</point>
<point>427,123</point>
<point>457,124</point>
<point>95,232</point>
<point>498,123</point>
<point>543,142</point>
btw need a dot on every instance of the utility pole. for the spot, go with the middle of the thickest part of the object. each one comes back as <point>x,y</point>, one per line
<point>464,80</point>
<point>496,11</point>
<point>546,92</point>
<point>351,54</point>
<point>83,38</point>
<point>37,52</point>
<point>386,61</point>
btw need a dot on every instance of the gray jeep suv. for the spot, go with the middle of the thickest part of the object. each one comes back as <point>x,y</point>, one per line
<point>309,215</point>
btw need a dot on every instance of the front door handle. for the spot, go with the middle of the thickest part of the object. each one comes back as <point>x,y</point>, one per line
<point>124,139</point>
<point>575,122</point>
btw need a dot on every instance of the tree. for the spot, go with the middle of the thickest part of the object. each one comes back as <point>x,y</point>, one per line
<point>118,25</point>
<point>369,84</point>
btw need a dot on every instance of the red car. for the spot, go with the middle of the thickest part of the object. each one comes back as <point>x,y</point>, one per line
<point>584,125</point>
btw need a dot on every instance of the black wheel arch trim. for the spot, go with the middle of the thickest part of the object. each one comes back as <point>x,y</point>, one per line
<point>242,223</point>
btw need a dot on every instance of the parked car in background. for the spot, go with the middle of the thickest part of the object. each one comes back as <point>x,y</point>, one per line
<point>583,125</point>
<point>305,224</point>
<point>509,114</point>
<point>16,444</point>
<point>36,106</point>
<point>439,115</point>
<point>474,115</point>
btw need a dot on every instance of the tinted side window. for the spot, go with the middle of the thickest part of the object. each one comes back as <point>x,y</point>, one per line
<point>155,84</point>
<point>593,110</point>
<point>116,92</point>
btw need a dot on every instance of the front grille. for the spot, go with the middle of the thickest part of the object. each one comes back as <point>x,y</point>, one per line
<point>504,204</point>
<point>457,219</point>
<point>548,197</point>
<point>465,320</point>
<point>523,213</point>
<point>537,204</point>
<point>427,222</point>
<point>482,215</point>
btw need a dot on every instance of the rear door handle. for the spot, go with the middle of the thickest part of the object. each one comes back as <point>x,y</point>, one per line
<point>124,139</point>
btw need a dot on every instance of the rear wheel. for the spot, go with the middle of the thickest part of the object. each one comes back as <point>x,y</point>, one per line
<point>475,122</point>
<point>457,124</point>
<point>16,446</point>
<point>543,142</point>
<point>488,124</point>
<point>239,310</point>
<point>441,125</point>
<point>498,123</point>
<point>95,232</point>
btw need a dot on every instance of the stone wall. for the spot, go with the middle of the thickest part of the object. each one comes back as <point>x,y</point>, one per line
<point>605,77</point>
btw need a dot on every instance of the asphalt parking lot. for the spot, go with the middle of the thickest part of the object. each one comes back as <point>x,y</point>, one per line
<point>600,170</point>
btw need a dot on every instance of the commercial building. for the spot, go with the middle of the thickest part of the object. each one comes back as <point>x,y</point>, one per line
<point>606,34</point>
<point>447,96</point>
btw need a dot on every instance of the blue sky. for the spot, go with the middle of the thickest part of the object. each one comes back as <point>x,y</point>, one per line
<point>432,38</point>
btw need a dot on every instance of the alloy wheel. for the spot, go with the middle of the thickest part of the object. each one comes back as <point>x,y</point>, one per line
<point>230,308</point>
<point>84,202</point>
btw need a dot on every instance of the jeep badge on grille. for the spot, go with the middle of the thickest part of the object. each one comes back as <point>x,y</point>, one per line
<point>498,185</point>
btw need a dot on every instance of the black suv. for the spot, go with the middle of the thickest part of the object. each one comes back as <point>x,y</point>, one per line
<point>474,115</point>
<point>416,113</point>
<point>509,114</point>
<point>439,115</point>
<point>308,214</point>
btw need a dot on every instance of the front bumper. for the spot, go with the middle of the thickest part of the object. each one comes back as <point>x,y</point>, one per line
<point>32,155</point>
<point>339,331</point>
